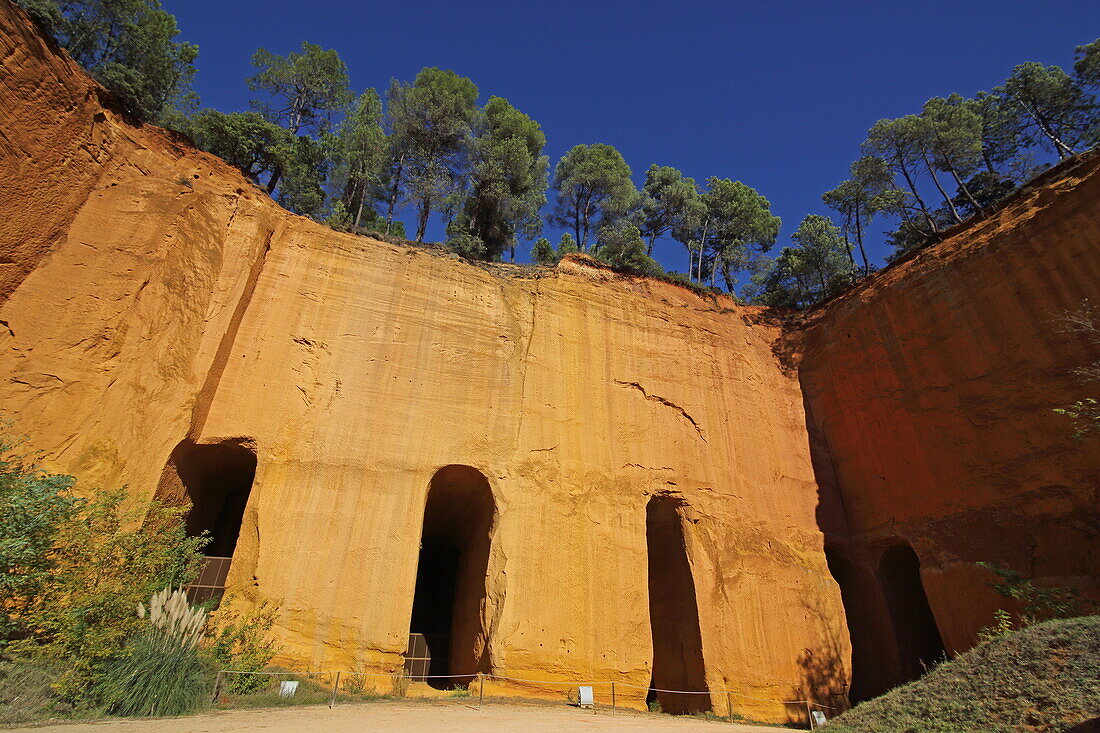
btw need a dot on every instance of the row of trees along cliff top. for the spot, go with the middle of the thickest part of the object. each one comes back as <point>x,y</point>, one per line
<point>354,161</point>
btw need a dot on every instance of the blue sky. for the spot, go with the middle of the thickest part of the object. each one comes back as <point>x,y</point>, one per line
<point>777,94</point>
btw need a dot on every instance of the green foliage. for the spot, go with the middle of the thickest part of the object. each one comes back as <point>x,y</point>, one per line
<point>1036,603</point>
<point>507,179</point>
<point>241,641</point>
<point>593,188</point>
<point>127,46</point>
<point>301,91</point>
<point>668,198</point>
<point>868,192</point>
<point>1002,624</point>
<point>468,246</point>
<point>1042,679</point>
<point>817,267</point>
<point>359,159</point>
<point>154,675</point>
<point>543,252</point>
<point>303,165</point>
<point>109,557</point>
<point>621,246</point>
<point>567,244</point>
<point>430,125</point>
<point>35,506</point>
<point>245,140</point>
<point>727,223</point>
<point>1056,112</point>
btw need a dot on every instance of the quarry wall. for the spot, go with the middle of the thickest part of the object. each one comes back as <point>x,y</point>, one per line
<point>929,396</point>
<point>179,307</point>
<point>153,301</point>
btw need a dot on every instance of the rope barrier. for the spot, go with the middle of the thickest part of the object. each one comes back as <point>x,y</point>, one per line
<point>547,682</point>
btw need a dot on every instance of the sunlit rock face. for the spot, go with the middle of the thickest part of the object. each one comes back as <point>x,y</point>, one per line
<point>374,432</point>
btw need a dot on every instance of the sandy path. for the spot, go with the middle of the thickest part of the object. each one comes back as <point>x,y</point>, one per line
<point>402,717</point>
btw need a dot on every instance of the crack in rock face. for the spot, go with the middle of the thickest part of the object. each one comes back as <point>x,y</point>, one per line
<point>667,403</point>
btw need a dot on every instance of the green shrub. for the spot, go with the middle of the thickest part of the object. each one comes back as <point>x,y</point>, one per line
<point>34,507</point>
<point>110,557</point>
<point>468,246</point>
<point>241,641</point>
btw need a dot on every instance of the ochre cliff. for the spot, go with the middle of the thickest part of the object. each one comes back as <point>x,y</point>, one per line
<point>170,305</point>
<point>583,440</point>
<point>930,396</point>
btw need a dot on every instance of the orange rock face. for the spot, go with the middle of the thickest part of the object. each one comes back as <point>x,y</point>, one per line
<point>596,477</point>
<point>930,395</point>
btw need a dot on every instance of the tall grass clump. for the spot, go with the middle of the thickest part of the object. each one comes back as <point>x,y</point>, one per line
<point>160,671</point>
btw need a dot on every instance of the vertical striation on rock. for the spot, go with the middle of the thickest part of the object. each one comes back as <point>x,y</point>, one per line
<point>341,410</point>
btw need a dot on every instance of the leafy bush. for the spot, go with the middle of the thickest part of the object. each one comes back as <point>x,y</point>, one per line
<point>127,45</point>
<point>542,252</point>
<point>34,506</point>
<point>109,557</point>
<point>1043,678</point>
<point>241,641</point>
<point>1036,603</point>
<point>468,246</point>
<point>159,672</point>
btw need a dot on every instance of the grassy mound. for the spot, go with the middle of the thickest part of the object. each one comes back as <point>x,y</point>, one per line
<point>1044,678</point>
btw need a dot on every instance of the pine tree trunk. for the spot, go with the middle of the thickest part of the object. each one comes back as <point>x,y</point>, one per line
<point>939,187</point>
<point>859,241</point>
<point>917,196</point>
<point>966,191</point>
<point>393,192</point>
<point>425,212</point>
<point>274,180</point>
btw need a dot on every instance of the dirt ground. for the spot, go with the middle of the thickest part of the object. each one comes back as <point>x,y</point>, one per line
<point>403,717</point>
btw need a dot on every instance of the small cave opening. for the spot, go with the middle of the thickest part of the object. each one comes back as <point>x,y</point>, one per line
<point>873,670</point>
<point>217,479</point>
<point>447,631</point>
<point>918,637</point>
<point>673,613</point>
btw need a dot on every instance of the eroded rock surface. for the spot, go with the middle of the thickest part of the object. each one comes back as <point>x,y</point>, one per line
<point>166,326</point>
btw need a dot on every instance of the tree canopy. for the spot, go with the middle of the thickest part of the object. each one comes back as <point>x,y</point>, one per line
<point>593,186</point>
<point>128,46</point>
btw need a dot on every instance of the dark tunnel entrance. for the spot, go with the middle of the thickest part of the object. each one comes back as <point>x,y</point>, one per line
<point>873,668</point>
<point>217,480</point>
<point>915,630</point>
<point>673,613</point>
<point>447,632</point>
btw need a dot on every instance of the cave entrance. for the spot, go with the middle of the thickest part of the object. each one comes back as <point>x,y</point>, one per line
<point>217,480</point>
<point>447,632</point>
<point>873,672</point>
<point>673,613</point>
<point>915,630</point>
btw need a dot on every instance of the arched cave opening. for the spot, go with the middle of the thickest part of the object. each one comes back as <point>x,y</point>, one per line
<point>873,668</point>
<point>915,630</point>
<point>673,613</point>
<point>447,632</point>
<point>217,479</point>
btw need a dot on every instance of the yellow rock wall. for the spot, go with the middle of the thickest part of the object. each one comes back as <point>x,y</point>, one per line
<point>179,303</point>
<point>152,299</point>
